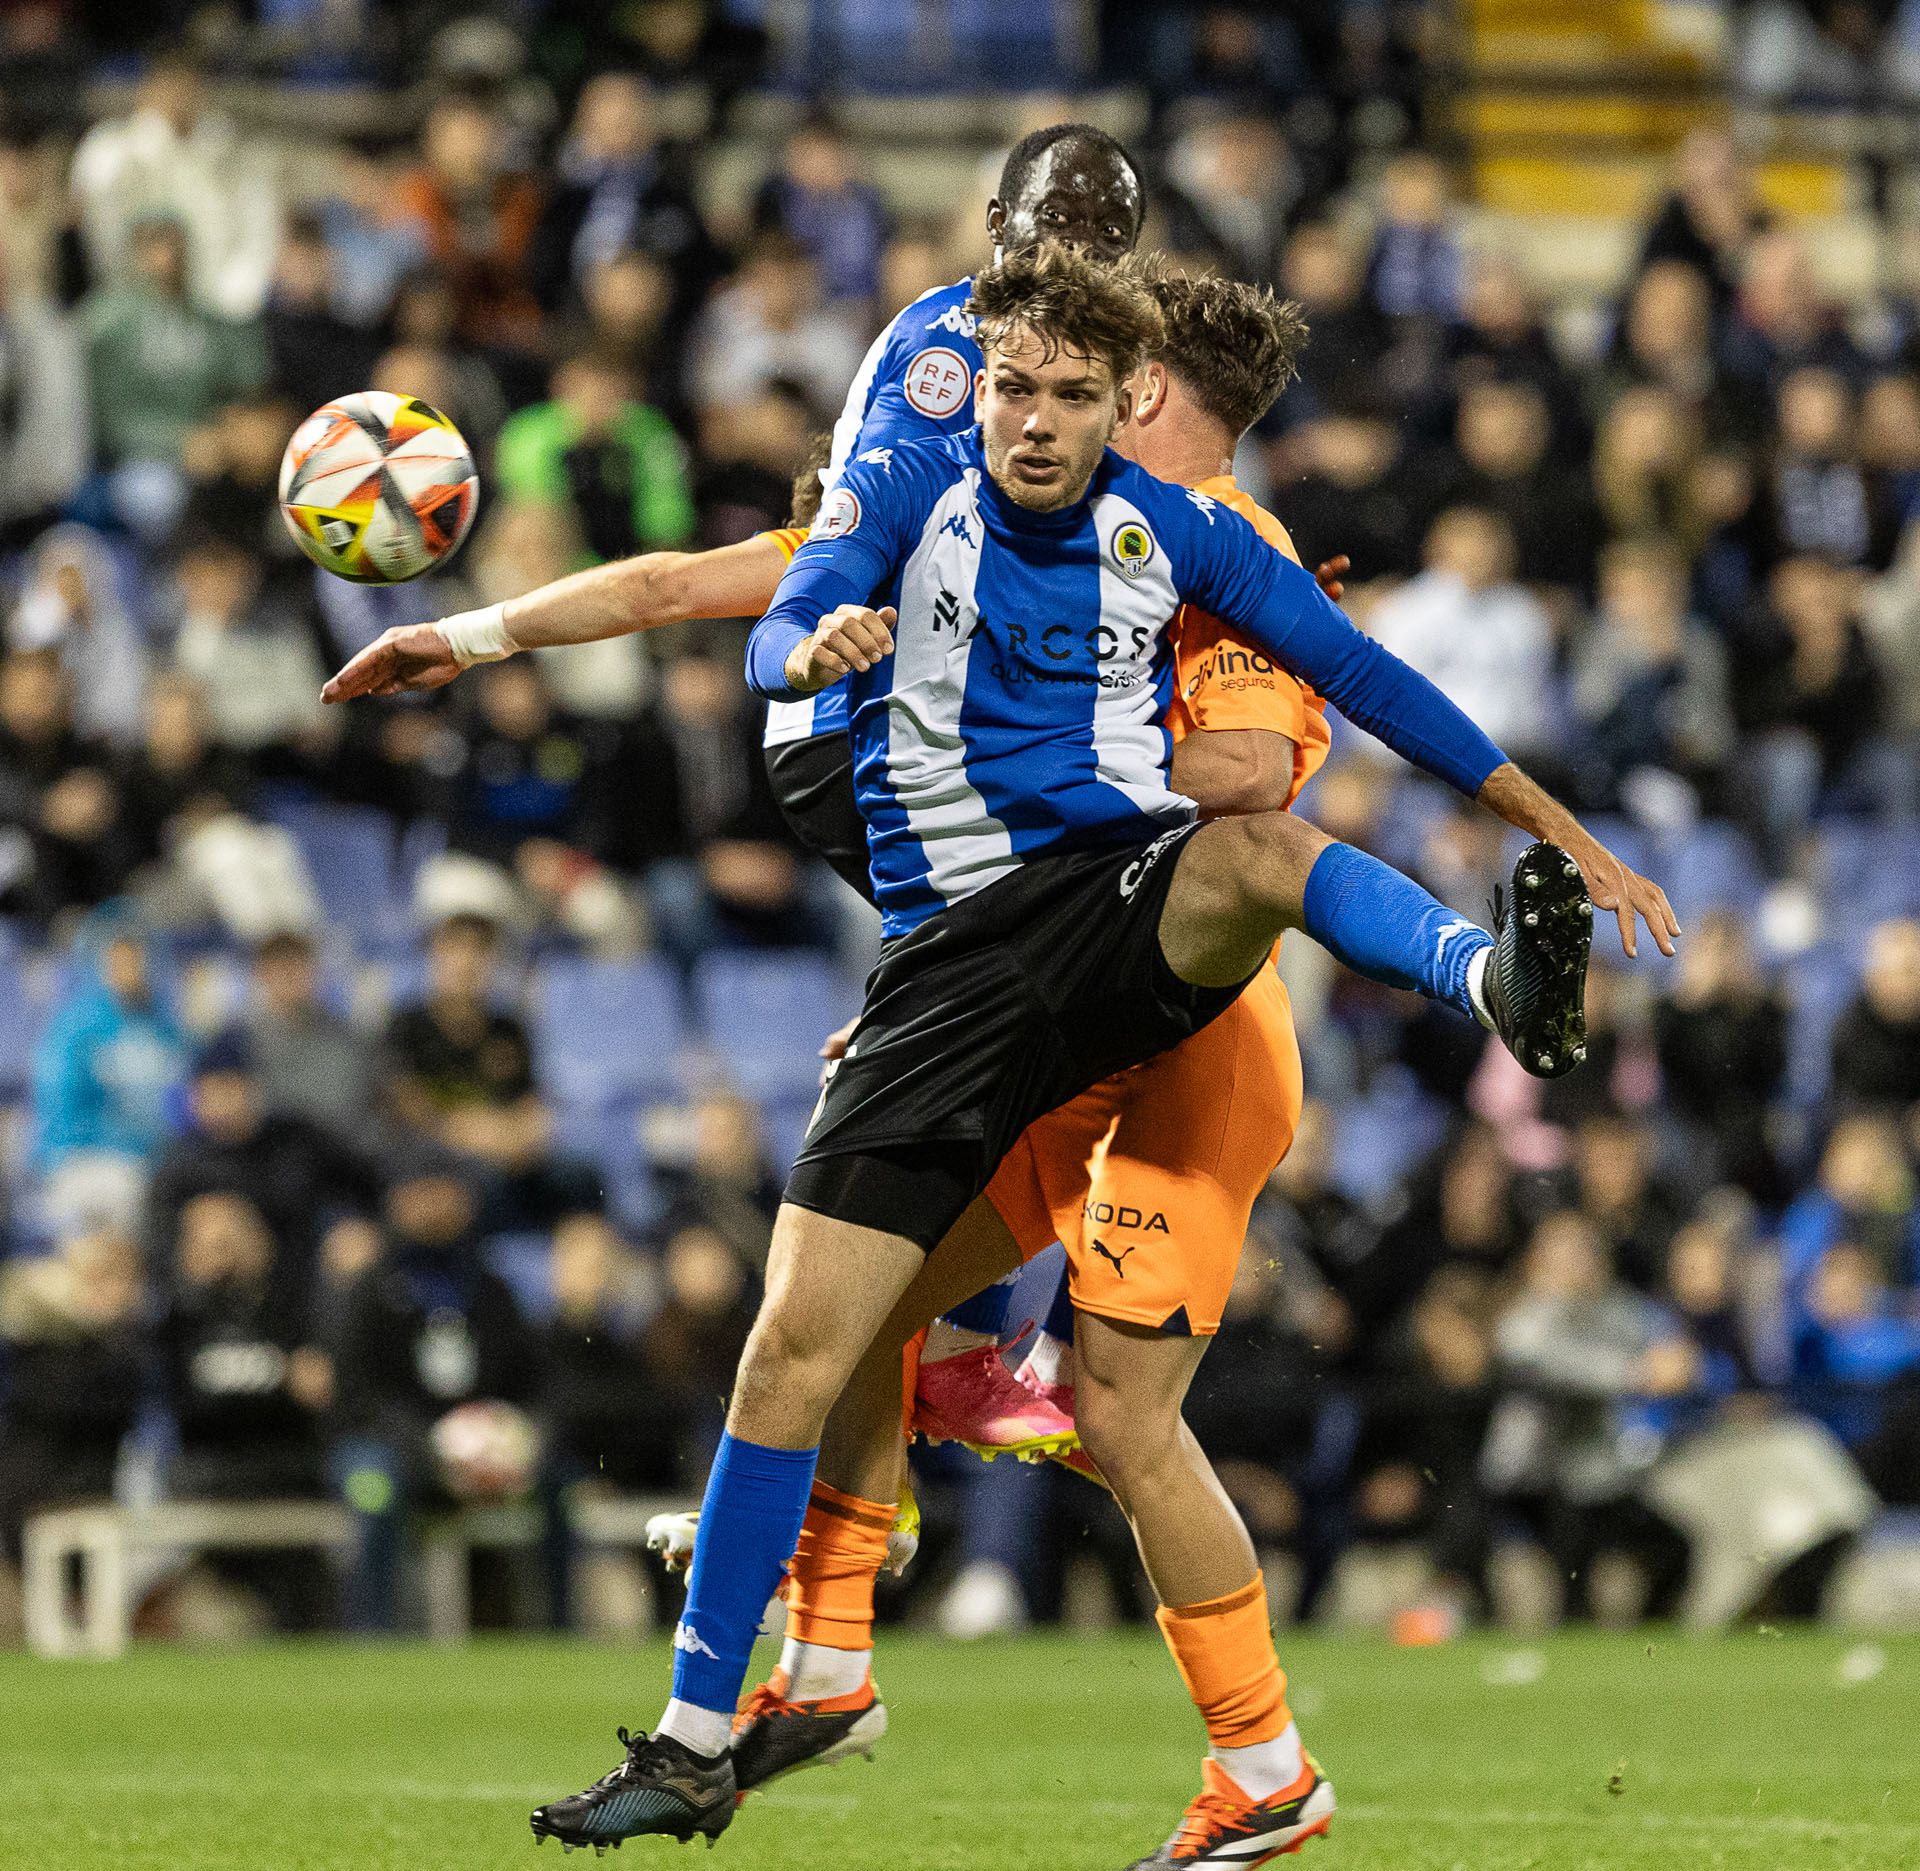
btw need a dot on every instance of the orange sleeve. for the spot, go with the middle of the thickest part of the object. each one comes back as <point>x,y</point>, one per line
<point>788,538</point>
<point>1222,682</point>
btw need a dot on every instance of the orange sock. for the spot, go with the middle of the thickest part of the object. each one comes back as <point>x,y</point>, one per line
<point>843,1544</point>
<point>910,1378</point>
<point>1224,1650</point>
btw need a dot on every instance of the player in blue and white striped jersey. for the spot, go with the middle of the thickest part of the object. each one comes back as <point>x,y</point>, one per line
<point>998,606</point>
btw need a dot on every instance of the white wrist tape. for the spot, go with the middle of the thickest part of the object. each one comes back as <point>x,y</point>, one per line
<point>478,636</point>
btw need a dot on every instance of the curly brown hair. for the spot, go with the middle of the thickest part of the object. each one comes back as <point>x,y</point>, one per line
<point>1071,304</point>
<point>1234,347</point>
<point>806,480</point>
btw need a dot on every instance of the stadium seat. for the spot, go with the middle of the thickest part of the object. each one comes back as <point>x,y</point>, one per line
<point>350,852</point>
<point>766,1014</point>
<point>607,1032</point>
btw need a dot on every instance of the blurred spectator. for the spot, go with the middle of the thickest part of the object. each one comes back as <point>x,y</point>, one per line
<point>424,1329</point>
<point>1623,1194</point>
<point>1468,627</point>
<point>914,264</point>
<point>1890,456</point>
<point>36,257</point>
<point>234,488</point>
<point>1664,341</point>
<point>1416,265</point>
<point>1808,696</point>
<point>615,464</point>
<point>1863,1196</point>
<point>1712,215</point>
<point>373,246</point>
<point>71,605</point>
<point>629,317</point>
<point>296,1176</point>
<point>818,197</point>
<point>701,1326</point>
<point>1323,272</point>
<point>315,351</point>
<point>1643,459</point>
<point>311,1062</point>
<point>1819,492</point>
<point>429,358</point>
<point>1457,1211</point>
<point>1504,438</point>
<point>1876,1045</point>
<point>254,659</point>
<point>1501,339</point>
<point>64,830</point>
<point>1703,1287</point>
<point>243,1387</point>
<point>1585,1365</point>
<point>1648,681</point>
<point>75,1370</point>
<point>1783,320</point>
<point>753,451</point>
<point>1722,1037</point>
<point>46,435</point>
<point>477,215</point>
<point>1233,186</point>
<point>460,1075</point>
<point>177,157</point>
<point>1362,491</point>
<point>619,192</point>
<point>1310,1217</point>
<point>157,366</point>
<point>770,322</point>
<point>726,1182</point>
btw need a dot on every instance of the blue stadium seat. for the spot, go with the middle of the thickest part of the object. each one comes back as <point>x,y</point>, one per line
<point>766,1014</point>
<point>607,1032</point>
<point>525,1262</point>
<point>1711,867</point>
<point>350,851</point>
<point>1819,986</point>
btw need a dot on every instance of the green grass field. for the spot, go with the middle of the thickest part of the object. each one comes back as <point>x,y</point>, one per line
<point>1050,1754</point>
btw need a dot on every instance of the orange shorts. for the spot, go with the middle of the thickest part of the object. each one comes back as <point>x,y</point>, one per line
<point>1149,1178</point>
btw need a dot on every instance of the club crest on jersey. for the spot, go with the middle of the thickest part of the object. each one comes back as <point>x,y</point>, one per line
<point>839,514</point>
<point>1132,549</point>
<point>937,381</point>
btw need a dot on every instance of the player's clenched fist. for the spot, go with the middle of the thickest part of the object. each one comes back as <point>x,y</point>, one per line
<point>853,637</point>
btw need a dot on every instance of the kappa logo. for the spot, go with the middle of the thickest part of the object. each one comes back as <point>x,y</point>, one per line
<point>1205,502</point>
<point>1449,932</point>
<point>956,524</point>
<point>1133,548</point>
<point>686,1638</point>
<point>956,319</point>
<point>1119,1260</point>
<point>877,458</point>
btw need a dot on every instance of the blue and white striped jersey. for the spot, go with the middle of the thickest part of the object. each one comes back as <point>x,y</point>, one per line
<point>1020,712</point>
<point>915,381</point>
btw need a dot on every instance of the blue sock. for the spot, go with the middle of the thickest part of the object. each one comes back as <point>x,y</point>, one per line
<point>1060,1314</point>
<point>987,1310</point>
<point>1384,926</point>
<point>749,1526</point>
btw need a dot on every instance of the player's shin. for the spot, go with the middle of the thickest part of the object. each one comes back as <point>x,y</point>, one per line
<point>1225,1654</point>
<point>842,1546</point>
<point>1383,925</point>
<point>750,1522</point>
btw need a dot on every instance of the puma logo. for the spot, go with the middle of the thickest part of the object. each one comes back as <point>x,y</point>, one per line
<point>1119,1260</point>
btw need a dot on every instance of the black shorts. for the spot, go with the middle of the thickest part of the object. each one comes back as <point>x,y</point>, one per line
<point>987,1016</point>
<point>812,782</point>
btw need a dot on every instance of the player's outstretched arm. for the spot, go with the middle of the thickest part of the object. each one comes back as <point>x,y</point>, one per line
<point>641,593</point>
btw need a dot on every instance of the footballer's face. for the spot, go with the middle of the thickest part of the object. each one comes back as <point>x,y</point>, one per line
<point>1078,194</point>
<point>1046,415</point>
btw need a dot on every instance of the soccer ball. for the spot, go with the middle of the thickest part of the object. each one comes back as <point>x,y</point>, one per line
<point>378,488</point>
<point>485,1452</point>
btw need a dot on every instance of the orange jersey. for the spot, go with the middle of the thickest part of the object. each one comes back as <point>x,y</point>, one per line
<point>1222,682</point>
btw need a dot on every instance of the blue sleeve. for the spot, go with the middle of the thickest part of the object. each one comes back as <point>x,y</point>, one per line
<point>1231,571</point>
<point>855,546</point>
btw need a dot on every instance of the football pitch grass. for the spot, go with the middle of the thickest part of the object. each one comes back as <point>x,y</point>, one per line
<point>1057,1753</point>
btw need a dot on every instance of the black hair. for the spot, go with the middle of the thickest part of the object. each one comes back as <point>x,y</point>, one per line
<point>1025,156</point>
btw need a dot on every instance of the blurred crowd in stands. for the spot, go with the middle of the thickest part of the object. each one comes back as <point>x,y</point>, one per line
<point>360,1063</point>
